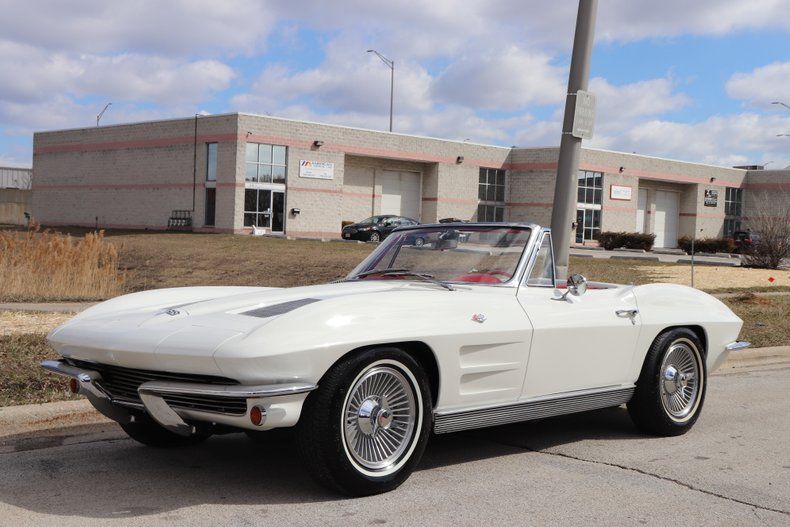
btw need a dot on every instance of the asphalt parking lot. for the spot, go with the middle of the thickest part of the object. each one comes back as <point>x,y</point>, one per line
<point>733,468</point>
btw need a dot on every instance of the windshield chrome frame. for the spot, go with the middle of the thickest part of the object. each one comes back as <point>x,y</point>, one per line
<point>524,260</point>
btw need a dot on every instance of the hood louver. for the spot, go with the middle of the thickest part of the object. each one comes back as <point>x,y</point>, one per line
<point>279,309</point>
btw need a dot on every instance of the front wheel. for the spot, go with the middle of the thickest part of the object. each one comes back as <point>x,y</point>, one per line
<point>365,428</point>
<point>671,388</point>
<point>375,237</point>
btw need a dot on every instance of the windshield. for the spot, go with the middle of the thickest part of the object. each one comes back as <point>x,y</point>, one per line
<point>373,220</point>
<point>459,254</point>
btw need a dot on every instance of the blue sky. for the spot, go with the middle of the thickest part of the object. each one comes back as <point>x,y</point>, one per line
<point>687,80</point>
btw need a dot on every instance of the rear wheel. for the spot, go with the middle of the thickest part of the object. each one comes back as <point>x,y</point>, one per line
<point>365,428</point>
<point>671,388</point>
<point>144,430</point>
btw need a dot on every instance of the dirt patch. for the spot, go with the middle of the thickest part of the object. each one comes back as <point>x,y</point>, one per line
<point>715,277</point>
<point>19,322</point>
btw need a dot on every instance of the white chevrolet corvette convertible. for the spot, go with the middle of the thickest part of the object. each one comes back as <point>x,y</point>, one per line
<point>442,328</point>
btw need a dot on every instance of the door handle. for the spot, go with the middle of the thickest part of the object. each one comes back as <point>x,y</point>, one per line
<point>628,313</point>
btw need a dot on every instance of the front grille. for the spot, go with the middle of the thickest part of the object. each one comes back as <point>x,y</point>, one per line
<point>122,384</point>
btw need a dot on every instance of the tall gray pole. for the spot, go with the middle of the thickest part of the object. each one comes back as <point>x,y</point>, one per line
<point>392,89</point>
<point>570,146</point>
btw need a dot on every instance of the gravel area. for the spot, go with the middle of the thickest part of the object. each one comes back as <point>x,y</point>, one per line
<point>715,277</point>
<point>19,322</point>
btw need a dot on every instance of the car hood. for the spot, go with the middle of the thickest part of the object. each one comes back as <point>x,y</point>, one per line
<point>188,324</point>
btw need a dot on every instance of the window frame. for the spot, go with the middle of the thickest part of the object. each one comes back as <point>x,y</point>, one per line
<point>258,163</point>
<point>534,260</point>
<point>491,210</point>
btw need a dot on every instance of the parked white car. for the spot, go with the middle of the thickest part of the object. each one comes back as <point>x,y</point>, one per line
<point>466,328</point>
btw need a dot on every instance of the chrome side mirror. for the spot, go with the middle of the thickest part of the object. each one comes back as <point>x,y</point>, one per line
<point>577,286</point>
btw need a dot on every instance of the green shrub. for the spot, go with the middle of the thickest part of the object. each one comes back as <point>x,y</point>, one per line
<point>707,245</point>
<point>629,240</point>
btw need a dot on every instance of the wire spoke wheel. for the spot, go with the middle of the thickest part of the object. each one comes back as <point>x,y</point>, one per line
<point>679,382</point>
<point>379,418</point>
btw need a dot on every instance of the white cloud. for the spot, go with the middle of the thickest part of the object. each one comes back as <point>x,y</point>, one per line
<point>501,79</point>
<point>744,138</point>
<point>762,85</point>
<point>182,27</point>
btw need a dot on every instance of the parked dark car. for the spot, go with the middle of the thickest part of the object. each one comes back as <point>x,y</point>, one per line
<point>375,228</point>
<point>744,241</point>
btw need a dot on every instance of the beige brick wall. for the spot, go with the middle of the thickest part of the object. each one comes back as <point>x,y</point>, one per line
<point>127,175</point>
<point>766,192</point>
<point>135,175</point>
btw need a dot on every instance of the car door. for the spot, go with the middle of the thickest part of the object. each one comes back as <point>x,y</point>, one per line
<point>581,342</point>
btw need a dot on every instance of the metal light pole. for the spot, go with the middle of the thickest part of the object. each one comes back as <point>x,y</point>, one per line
<point>391,65</point>
<point>570,146</point>
<point>780,103</point>
<point>98,117</point>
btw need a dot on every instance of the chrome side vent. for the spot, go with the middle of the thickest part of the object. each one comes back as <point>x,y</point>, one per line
<point>279,309</point>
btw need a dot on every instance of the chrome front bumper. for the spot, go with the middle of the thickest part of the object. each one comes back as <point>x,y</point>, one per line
<point>282,401</point>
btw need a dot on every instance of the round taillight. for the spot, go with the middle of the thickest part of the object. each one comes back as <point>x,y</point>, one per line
<point>257,415</point>
<point>74,386</point>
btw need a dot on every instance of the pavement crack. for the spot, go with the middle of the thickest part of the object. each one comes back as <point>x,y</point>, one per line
<point>689,486</point>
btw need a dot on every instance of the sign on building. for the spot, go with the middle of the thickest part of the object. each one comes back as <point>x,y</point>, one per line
<point>316,169</point>
<point>711,198</point>
<point>620,192</point>
<point>584,115</point>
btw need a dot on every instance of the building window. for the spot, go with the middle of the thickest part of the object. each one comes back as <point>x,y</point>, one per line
<point>491,193</point>
<point>589,199</point>
<point>211,161</point>
<point>733,205</point>
<point>265,163</point>
<point>211,203</point>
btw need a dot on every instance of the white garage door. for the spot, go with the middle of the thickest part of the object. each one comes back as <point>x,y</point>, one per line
<point>666,226</point>
<point>401,193</point>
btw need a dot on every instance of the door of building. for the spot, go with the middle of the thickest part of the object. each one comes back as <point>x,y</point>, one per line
<point>401,193</point>
<point>278,211</point>
<point>666,218</point>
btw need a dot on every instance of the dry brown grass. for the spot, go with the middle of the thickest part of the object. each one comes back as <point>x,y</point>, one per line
<point>44,265</point>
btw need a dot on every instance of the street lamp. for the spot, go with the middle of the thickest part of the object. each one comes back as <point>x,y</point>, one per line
<point>780,103</point>
<point>783,135</point>
<point>391,65</point>
<point>98,117</point>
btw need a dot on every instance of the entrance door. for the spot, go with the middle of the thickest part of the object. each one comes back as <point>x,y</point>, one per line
<point>641,209</point>
<point>401,193</point>
<point>264,208</point>
<point>278,211</point>
<point>666,219</point>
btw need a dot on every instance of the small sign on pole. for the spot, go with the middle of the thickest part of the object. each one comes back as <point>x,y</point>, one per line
<point>584,115</point>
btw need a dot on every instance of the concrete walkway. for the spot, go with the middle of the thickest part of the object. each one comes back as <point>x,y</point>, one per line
<point>596,252</point>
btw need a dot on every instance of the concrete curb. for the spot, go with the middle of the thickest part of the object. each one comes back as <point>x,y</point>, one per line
<point>16,421</point>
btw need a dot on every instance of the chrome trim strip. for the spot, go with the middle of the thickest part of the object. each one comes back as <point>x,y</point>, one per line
<point>529,410</point>
<point>236,390</point>
<point>151,393</point>
<point>738,345</point>
<point>87,386</point>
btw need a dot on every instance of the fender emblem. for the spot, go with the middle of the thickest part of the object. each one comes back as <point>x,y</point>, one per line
<point>173,312</point>
<point>479,317</point>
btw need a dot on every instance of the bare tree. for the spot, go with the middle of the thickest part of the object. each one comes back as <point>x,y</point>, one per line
<point>771,225</point>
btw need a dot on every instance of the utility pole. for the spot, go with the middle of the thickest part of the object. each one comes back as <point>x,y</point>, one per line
<point>570,145</point>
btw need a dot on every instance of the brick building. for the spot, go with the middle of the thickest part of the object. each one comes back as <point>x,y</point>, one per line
<point>229,172</point>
